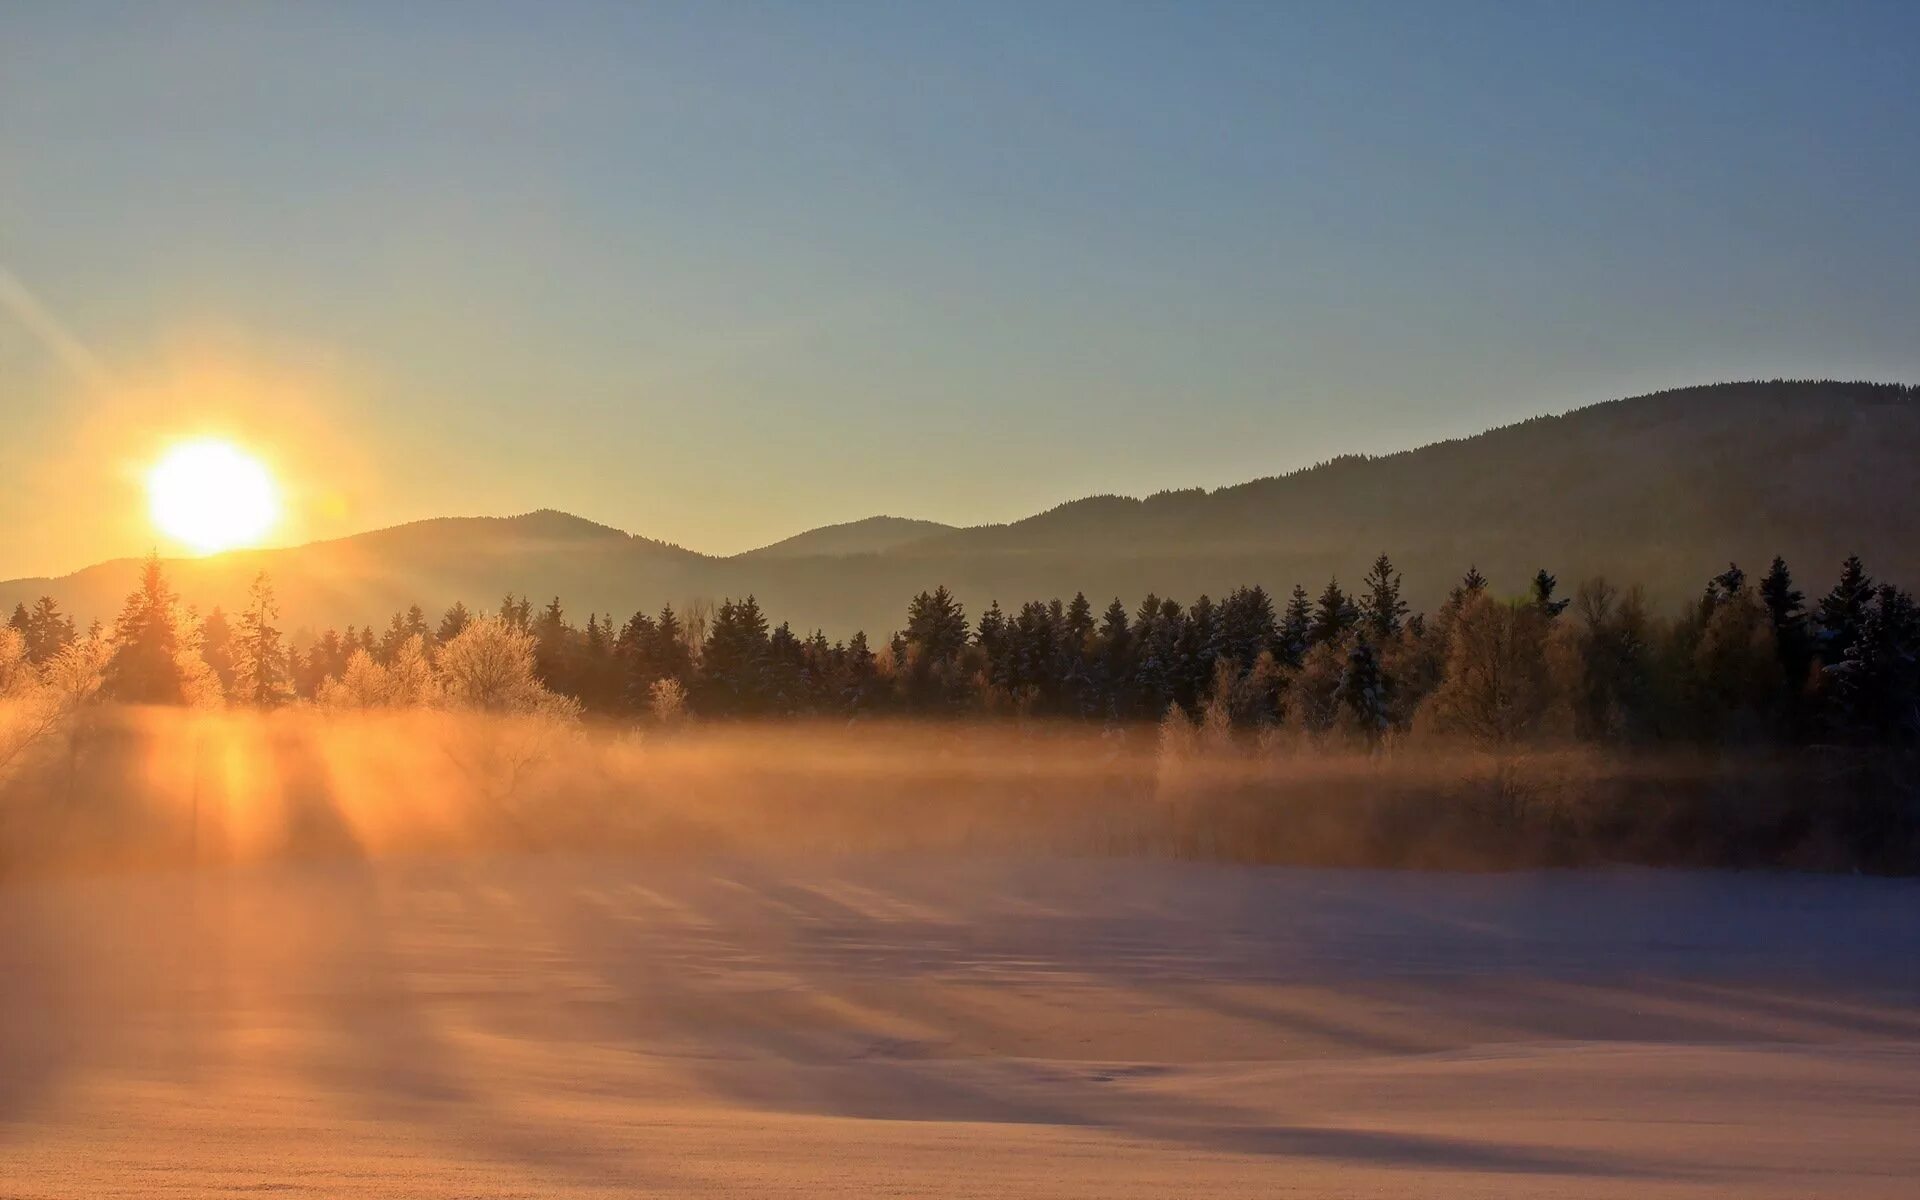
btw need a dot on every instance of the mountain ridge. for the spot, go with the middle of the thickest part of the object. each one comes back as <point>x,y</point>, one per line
<point>1659,489</point>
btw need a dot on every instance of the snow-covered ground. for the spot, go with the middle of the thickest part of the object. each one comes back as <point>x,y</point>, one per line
<point>546,1027</point>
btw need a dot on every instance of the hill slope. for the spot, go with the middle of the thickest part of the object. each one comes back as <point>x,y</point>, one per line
<point>1660,490</point>
<point>875,535</point>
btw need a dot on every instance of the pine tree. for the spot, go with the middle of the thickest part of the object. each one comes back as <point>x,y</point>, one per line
<point>1381,609</point>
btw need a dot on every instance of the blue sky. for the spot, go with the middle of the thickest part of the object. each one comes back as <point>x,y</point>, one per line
<point>715,273</point>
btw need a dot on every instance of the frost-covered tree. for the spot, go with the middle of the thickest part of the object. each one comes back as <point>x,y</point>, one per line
<point>1495,686</point>
<point>361,685</point>
<point>1876,687</point>
<point>37,701</point>
<point>1361,695</point>
<point>667,701</point>
<point>937,624</point>
<point>489,668</point>
<point>259,659</point>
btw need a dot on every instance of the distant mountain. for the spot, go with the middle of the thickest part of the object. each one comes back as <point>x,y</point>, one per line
<point>434,562</point>
<point>874,535</point>
<point>1660,490</point>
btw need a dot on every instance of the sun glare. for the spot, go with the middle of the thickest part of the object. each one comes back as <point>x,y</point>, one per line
<point>212,496</point>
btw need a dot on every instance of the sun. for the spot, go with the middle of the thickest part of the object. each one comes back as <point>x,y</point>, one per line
<point>212,495</point>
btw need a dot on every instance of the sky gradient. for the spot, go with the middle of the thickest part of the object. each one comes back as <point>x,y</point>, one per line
<point>720,273</point>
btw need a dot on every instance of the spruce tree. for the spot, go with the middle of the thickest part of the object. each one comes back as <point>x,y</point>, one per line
<point>1362,692</point>
<point>1079,621</point>
<point>1247,626</point>
<point>1333,615</point>
<point>733,662</point>
<point>259,659</point>
<point>1837,620</point>
<point>517,613</point>
<point>672,656</point>
<point>1381,609</point>
<point>452,623</point>
<point>554,652</point>
<point>785,679</point>
<point>1195,651</point>
<point>859,672</point>
<point>1876,687</point>
<point>1116,653</point>
<point>1296,627</point>
<point>1471,584</point>
<point>991,637</point>
<point>937,624</point>
<point>1542,595</point>
<point>144,668</point>
<point>47,631</point>
<point>216,646</point>
<point>1787,613</point>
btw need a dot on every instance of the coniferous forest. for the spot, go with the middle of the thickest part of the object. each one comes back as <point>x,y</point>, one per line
<point>1755,659</point>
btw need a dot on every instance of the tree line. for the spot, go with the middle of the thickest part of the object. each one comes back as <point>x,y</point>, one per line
<point>1748,661</point>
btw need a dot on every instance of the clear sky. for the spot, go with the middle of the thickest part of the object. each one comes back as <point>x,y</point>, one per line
<point>719,272</point>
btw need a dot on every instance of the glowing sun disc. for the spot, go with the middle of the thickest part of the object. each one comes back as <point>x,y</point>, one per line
<point>212,496</point>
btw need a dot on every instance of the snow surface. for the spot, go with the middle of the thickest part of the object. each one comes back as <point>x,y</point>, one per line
<point>887,1027</point>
